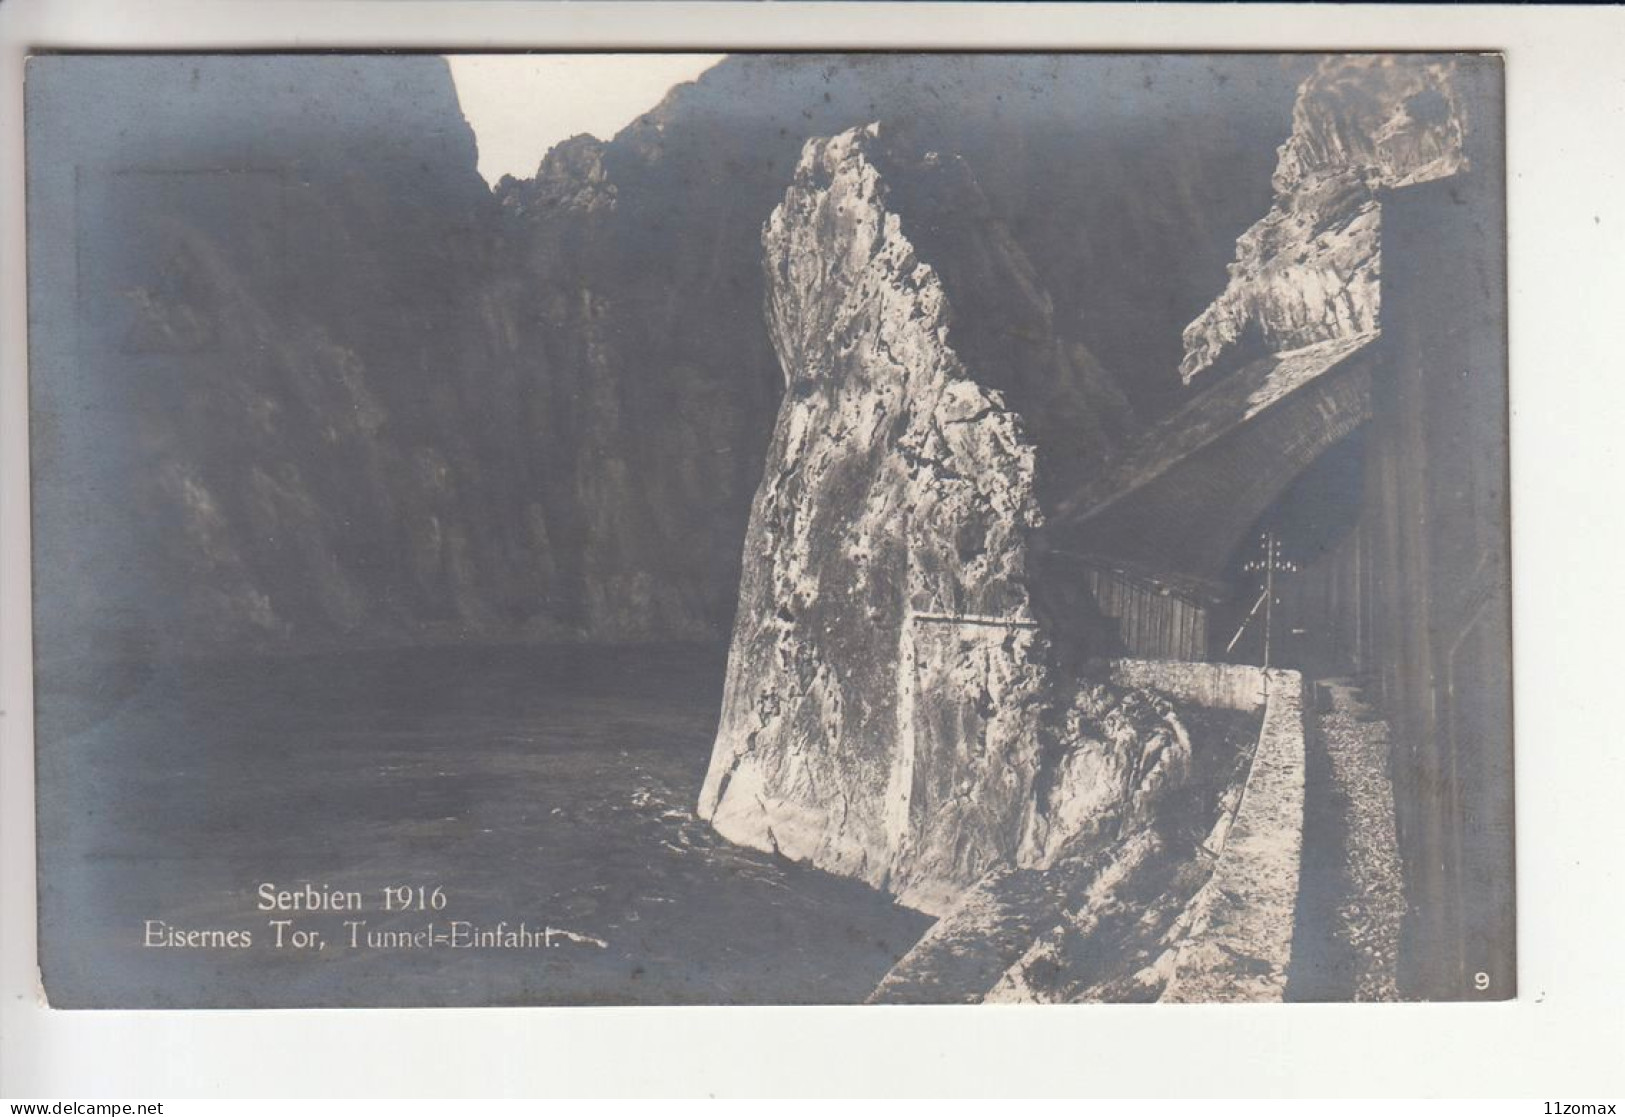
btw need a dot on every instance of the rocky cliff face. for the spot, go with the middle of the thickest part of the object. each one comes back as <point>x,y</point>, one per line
<point>902,704</point>
<point>1308,270</point>
<point>894,710</point>
<point>331,391</point>
<point>347,396</point>
<point>265,418</point>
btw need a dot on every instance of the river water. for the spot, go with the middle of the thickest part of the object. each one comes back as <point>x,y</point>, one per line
<point>547,787</point>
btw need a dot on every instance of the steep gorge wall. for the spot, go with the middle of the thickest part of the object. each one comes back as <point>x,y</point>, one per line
<point>263,405</point>
<point>315,386</point>
<point>1309,270</point>
<point>310,384</point>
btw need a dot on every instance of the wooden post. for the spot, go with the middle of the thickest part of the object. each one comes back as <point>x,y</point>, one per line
<point>1269,591</point>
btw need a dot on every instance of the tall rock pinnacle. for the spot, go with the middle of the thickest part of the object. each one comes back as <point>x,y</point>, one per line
<point>890,695</point>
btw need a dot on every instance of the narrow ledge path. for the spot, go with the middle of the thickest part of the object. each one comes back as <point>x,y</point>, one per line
<point>1352,904</point>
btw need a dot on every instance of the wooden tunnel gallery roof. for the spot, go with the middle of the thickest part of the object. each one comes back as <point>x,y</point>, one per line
<point>1182,497</point>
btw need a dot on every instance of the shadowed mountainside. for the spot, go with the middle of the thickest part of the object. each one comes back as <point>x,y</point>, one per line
<point>301,380</point>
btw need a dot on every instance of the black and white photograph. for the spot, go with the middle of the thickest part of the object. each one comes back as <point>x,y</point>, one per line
<point>770,528</point>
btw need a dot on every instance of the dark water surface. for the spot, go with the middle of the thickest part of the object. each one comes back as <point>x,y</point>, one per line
<point>549,786</point>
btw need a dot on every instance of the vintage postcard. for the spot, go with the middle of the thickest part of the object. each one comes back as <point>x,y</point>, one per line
<point>780,528</point>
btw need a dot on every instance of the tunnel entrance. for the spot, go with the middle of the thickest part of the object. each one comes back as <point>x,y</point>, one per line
<point>1279,609</point>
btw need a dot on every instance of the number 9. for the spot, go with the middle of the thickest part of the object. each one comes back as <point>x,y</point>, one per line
<point>1481,981</point>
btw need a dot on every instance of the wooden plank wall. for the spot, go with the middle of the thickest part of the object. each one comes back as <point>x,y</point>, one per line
<point>1416,602</point>
<point>1153,621</point>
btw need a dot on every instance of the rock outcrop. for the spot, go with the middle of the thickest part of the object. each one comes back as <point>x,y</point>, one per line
<point>1191,901</point>
<point>894,709</point>
<point>571,180</point>
<point>1308,271</point>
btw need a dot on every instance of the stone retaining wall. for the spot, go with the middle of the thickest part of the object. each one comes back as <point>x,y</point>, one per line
<point>1241,922</point>
<point>1224,686</point>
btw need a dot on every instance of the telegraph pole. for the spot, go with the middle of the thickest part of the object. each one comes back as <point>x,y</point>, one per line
<point>1269,591</point>
<point>1266,600</point>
